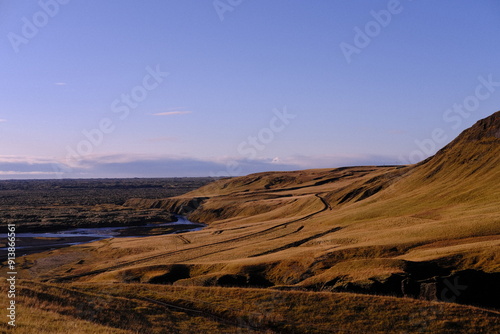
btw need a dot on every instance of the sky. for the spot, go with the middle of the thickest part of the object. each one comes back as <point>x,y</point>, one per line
<point>168,88</point>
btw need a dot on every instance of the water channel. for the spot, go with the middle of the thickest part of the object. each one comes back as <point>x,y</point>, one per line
<point>29,243</point>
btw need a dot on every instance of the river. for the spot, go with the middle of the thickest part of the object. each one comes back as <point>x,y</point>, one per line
<point>29,243</point>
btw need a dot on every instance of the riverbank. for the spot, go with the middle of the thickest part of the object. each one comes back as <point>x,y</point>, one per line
<point>53,205</point>
<point>36,242</point>
<point>32,245</point>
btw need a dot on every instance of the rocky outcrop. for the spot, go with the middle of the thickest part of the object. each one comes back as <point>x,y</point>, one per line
<point>472,287</point>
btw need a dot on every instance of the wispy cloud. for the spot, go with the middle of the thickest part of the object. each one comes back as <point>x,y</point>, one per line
<point>60,83</point>
<point>12,159</point>
<point>18,173</point>
<point>18,167</point>
<point>2,120</point>
<point>169,113</point>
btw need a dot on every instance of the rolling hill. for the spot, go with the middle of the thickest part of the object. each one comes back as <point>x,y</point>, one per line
<point>429,231</point>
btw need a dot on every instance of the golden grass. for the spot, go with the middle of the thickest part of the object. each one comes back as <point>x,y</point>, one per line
<point>308,312</point>
<point>357,270</point>
<point>144,308</point>
<point>69,310</point>
<point>34,319</point>
<point>310,227</point>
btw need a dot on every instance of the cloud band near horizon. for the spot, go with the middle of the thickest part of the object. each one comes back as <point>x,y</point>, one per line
<point>125,166</point>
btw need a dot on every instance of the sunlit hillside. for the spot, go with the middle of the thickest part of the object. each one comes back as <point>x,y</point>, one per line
<point>299,238</point>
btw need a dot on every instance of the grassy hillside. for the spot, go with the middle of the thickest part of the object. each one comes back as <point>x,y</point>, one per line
<point>430,231</point>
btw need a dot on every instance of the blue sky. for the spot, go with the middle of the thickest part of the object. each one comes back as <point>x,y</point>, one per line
<point>193,88</point>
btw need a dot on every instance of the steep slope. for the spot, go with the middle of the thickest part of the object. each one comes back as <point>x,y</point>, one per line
<point>467,169</point>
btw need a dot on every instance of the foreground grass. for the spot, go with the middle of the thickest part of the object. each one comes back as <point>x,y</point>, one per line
<point>146,308</point>
<point>56,309</point>
<point>34,319</point>
<point>310,312</point>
